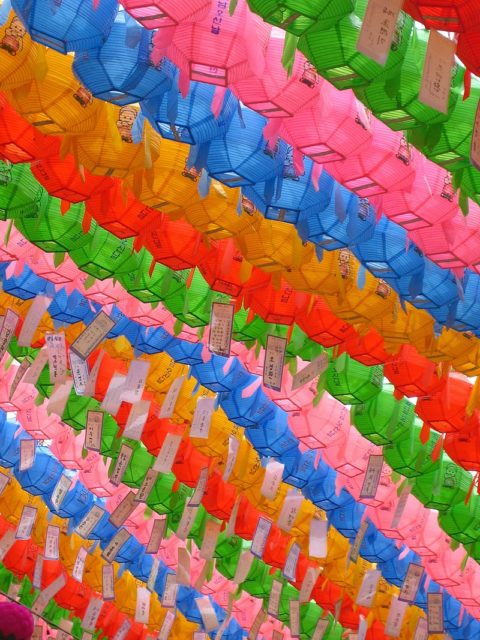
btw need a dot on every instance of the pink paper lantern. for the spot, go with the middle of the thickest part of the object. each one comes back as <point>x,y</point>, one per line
<point>156,14</point>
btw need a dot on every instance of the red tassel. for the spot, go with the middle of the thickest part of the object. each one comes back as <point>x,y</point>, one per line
<point>437,449</point>
<point>425,433</point>
<point>152,267</point>
<point>188,283</point>
<point>289,332</point>
<point>64,206</point>
<point>86,222</point>
<point>472,484</point>
<point>398,395</point>
<point>467,84</point>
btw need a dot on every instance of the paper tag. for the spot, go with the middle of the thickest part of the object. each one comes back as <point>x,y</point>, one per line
<point>124,510</point>
<point>113,398</point>
<point>38,572</point>
<point>108,582</point>
<point>437,72</point>
<point>362,628</point>
<point>233,447</point>
<point>274,360</point>
<point>116,543</point>
<point>210,537</point>
<point>230,530</point>
<point>312,370</point>
<point>401,504</point>
<point>47,594</point>
<point>168,406</point>
<point>79,566</point>
<point>52,542</point>
<point>91,614</point>
<point>396,614</point>
<point>152,578</point>
<point>58,400</point>
<point>183,566</point>
<point>4,480</point>
<point>435,613</point>
<point>166,626</point>
<point>290,568</point>
<point>257,623</point>
<point>37,632</point>
<point>92,377</point>
<point>411,583</point>
<point>274,599</point>
<point>93,335</point>
<point>290,508</point>
<point>355,548</point>
<point>63,635</point>
<point>277,635</point>
<point>243,567</point>
<point>199,635</point>
<point>221,326</point>
<point>260,537</point>
<point>80,372</point>
<point>57,357</point>
<point>196,499</point>
<point>378,29</point>
<point>294,608</point>
<point>372,477</point>
<point>135,380</point>
<point>272,479</point>
<point>10,321</point>
<point>318,538</point>
<point>421,632</point>
<point>142,608</point>
<point>169,598</point>
<point>37,366</point>
<point>93,430</point>
<point>209,617</point>
<point>147,485</point>
<point>202,418</point>
<point>124,457</point>
<point>21,371</point>
<point>320,629</point>
<point>27,454</point>
<point>186,522</point>
<point>60,492</point>
<point>311,576</point>
<point>156,537</point>
<point>90,521</point>
<point>168,453</point>
<point>122,632</point>
<point>25,526</point>
<point>368,588</point>
<point>6,543</point>
<point>137,419</point>
<point>475,146</point>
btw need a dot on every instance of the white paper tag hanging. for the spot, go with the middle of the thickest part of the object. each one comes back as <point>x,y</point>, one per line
<point>401,504</point>
<point>310,372</point>
<point>257,623</point>
<point>79,566</point>
<point>108,582</point>
<point>37,632</point>
<point>186,522</point>
<point>290,568</point>
<point>233,448</point>
<point>260,537</point>
<point>243,567</point>
<point>421,631</point>
<point>166,626</point>
<point>290,508</point>
<point>21,371</point>
<point>221,326</point>
<point>113,398</point>
<point>152,578</point>
<point>90,521</point>
<point>116,543</point>
<point>202,418</point>
<point>396,614</point>
<point>437,72</point>
<point>92,376</point>
<point>156,537</point>
<point>209,617</point>
<point>169,598</point>
<point>147,485</point>
<point>93,335</point>
<point>318,538</point>
<point>38,572</point>
<point>37,366</point>
<point>135,380</point>
<point>80,372</point>
<point>210,537</point>
<point>10,321</point>
<point>362,628</point>
<point>196,499</point>
<point>274,599</point>
<point>168,406</point>
<point>38,308</point>
<point>320,629</point>
<point>47,594</point>
<point>124,457</point>
<point>137,419</point>
<point>142,608</point>
<point>122,632</point>
<point>183,566</point>
<point>435,613</point>
<point>124,510</point>
<point>311,576</point>
<point>58,400</point>
<point>230,530</point>
<point>52,543</point>
<point>274,360</point>
<point>27,454</point>
<point>368,588</point>
<point>60,492</point>
<point>378,29</point>
<point>6,543</point>
<point>272,479</point>
<point>167,454</point>
<point>294,610</point>
<point>27,520</point>
<point>411,583</point>
<point>372,477</point>
<point>93,430</point>
<point>357,543</point>
<point>4,480</point>
<point>57,357</point>
<point>91,614</point>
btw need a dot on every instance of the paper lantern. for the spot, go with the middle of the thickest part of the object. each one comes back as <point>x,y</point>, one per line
<point>460,15</point>
<point>451,485</point>
<point>444,409</point>
<point>72,25</point>
<point>462,520</point>
<point>382,418</point>
<point>323,326</point>
<point>20,195</point>
<point>119,69</point>
<point>354,383</point>
<point>463,447</point>
<point>157,14</point>
<point>18,56</point>
<point>409,456</point>
<point>409,374</point>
